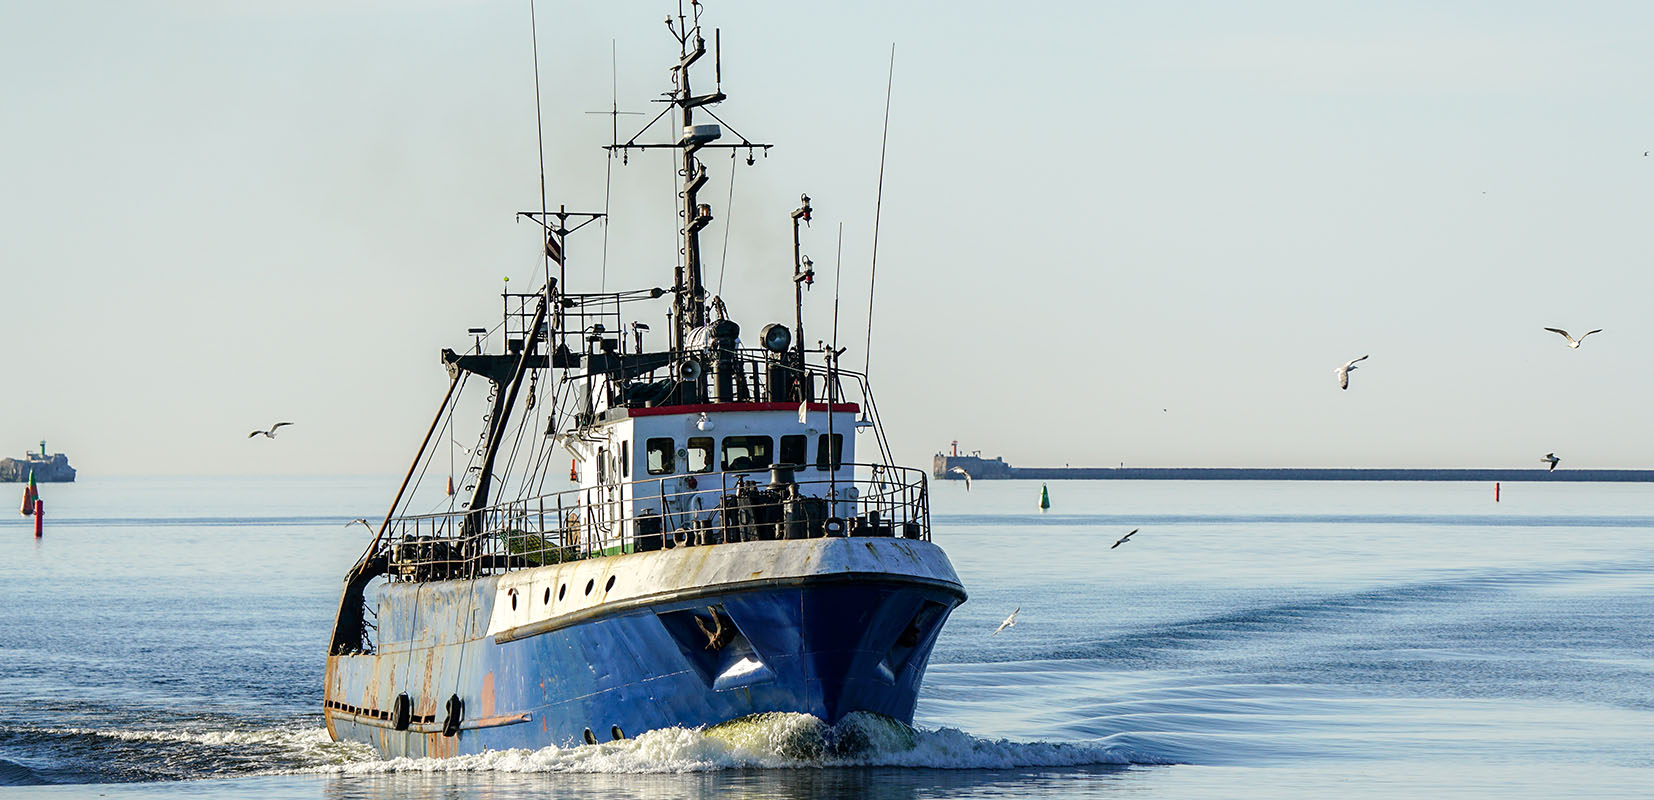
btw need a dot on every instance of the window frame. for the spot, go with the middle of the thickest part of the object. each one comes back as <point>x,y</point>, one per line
<point>803,459</point>
<point>746,440</point>
<point>669,464</point>
<point>822,453</point>
<point>711,449</point>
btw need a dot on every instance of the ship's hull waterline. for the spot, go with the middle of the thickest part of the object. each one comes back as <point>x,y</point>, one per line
<point>616,646</point>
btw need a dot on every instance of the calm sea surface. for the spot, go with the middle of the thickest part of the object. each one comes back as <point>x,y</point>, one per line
<point>166,638</point>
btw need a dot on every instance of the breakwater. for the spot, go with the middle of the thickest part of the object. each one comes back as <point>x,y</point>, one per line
<point>52,468</point>
<point>1328,474</point>
<point>945,467</point>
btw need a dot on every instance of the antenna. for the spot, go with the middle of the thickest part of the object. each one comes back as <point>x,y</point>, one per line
<point>878,208</point>
<point>540,145</point>
<point>609,165</point>
<point>833,354</point>
<point>717,59</point>
<point>838,270</point>
<point>615,114</point>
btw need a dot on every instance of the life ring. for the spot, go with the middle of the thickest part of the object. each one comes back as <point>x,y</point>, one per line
<point>456,711</point>
<point>402,712</point>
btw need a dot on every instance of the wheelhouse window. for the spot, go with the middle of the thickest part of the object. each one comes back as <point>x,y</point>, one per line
<point>625,459</point>
<point>793,450</point>
<point>699,456</point>
<point>830,452</point>
<point>660,456</point>
<point>748,452</point>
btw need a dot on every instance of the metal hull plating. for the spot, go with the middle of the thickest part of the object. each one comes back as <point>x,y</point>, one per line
<point>685,637</point>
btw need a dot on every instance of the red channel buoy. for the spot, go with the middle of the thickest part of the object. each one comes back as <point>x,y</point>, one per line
<point>39,517</point>
<point>1495,491</point>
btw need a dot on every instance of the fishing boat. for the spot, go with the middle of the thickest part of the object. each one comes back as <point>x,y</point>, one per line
<point>726,549</point>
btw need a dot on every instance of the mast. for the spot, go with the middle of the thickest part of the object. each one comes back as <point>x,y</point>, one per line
<point>690,306</point>
<point>689,302</point>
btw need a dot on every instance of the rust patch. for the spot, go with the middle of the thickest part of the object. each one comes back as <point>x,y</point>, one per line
<point>440,746</point>
<point>425,703</point>
<point>487,697</point>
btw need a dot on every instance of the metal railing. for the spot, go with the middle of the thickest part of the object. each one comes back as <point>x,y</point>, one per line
<point>658,513</point>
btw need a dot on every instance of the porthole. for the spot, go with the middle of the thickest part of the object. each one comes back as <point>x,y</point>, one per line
<point>610,584</point>
<point>561,590</point>
<point>591,738</point>
<point>547,600</point>
<point>589,585</point>
<point>616,732</point>
<point>513,594</point>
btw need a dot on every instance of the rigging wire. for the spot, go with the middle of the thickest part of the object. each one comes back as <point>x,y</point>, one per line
<point>838,269</point>
<point>878,208</point>
<point>430,455</point>
<point>609,168</point>
<point>729,211</point>
<point>539,121</point>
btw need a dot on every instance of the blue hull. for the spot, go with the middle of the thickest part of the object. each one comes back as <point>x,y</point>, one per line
<point>824,645</point>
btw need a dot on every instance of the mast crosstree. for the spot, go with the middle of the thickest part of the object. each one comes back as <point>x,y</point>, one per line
<point>689,305</point>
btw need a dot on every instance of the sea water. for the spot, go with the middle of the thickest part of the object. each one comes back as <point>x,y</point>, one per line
<point>1253,639</point>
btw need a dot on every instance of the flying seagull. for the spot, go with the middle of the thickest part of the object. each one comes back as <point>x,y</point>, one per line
<point>967,476</point>
<point>364,524</point>
<point>269,434</point>
<point>1572,342</point>
<point>1122,539</point>
<point>1344,373</point>
<point>1010,621</point>
<point>1550,458</point>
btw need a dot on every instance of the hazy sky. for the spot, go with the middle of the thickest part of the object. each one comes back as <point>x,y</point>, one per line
<point>1113,232</point>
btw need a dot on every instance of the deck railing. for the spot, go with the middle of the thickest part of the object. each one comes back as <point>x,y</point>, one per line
<point>658,513</point>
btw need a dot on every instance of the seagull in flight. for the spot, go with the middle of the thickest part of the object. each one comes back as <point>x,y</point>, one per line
<point>1010,621</point>
<point>1344,372</point>
<point>364,524</point>
<point>1572,342</point>
<point>1122,539</point>
<point>967,476</point>
<point>269,434</point>
<point>1550,458</point>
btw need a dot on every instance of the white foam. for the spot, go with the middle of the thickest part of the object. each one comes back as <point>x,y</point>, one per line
<point>772,741</point>
<point>303,745</point>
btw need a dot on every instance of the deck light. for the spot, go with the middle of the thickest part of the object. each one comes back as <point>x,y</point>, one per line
<point>776,337</point>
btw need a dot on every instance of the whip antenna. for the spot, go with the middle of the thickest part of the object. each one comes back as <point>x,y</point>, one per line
<point>540,145</point>
<point>878,208</point>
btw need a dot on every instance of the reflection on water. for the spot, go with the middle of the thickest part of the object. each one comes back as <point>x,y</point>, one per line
<point>880,783</point>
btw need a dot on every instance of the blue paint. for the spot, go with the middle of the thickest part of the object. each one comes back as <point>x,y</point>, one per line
<point>822,649</point>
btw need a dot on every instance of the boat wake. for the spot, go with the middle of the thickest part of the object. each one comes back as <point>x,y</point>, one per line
<point>772,741</point>
<point>92,755</point>
<point>766,741</point>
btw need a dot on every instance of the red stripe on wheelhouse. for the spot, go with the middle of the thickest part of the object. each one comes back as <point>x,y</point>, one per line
<point>715,408</point>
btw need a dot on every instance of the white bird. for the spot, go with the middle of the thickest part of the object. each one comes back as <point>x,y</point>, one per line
<point>269,434</point>
<point>1550,458</point>
<point>1122,539</point>
<point>1572,342</point>
<point>1344,373</point>
<point>364,524</point>
<point>967,476</point>
<point>1010,621</point>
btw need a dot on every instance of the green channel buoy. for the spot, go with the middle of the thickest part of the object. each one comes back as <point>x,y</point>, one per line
<point>1044,497</point>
